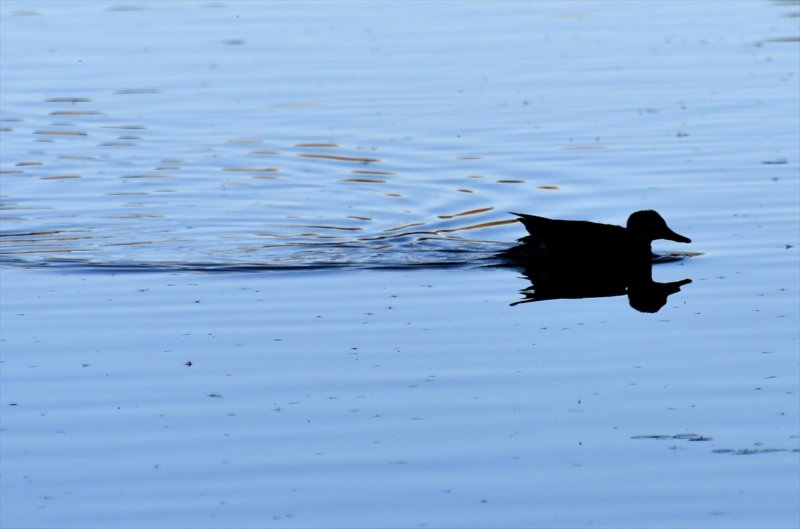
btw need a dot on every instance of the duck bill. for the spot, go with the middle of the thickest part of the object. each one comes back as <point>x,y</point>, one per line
<point>672,236</point>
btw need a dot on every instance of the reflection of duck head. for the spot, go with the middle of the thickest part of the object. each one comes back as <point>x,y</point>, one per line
<point>649,296</point>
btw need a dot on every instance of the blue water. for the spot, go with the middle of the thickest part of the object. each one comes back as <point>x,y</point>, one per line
<point>244,253</point>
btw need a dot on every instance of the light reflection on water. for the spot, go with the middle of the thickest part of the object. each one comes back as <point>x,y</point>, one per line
<point>300,208</point>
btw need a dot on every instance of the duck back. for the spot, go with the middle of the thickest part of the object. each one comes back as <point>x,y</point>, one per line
<point>578,243</point>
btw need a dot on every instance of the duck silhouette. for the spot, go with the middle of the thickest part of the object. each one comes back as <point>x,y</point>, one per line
<point>583,244</point>
<point>570,259</point>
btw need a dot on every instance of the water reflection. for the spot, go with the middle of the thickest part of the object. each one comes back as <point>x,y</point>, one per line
<point>644,294</point>
<point>245,199</point>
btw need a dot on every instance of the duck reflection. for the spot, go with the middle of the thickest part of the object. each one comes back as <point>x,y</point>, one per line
<point>566,259</point>
<point>644,294</point>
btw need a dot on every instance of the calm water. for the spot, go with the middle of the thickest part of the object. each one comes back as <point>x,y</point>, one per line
<point>245,256</point>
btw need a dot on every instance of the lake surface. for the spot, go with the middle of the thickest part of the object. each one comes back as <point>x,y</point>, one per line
<point>249,264</point>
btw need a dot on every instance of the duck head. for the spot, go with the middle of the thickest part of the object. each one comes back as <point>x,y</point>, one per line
<point>648,225</point>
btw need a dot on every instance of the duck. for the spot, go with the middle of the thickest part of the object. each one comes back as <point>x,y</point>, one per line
<point>580,244</point>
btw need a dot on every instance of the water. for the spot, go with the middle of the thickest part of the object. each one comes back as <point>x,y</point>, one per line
<point>246,264</point>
